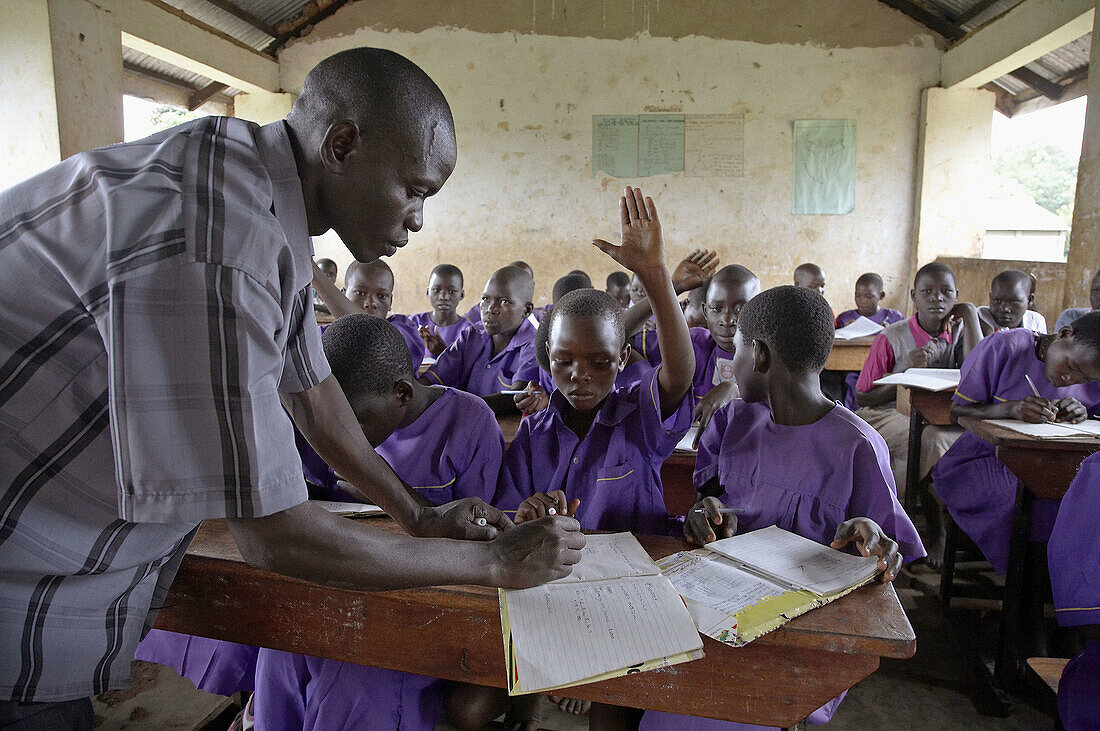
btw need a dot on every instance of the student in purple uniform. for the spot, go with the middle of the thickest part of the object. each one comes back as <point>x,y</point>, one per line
<point>1011,298</point>
<point>594,443</point>
<point>442,325</point>
<point>618,286</point>
<point>474,313</point>
<point>869,292</point>
<point>597,451</point>
<point>368,287</point>
<point>838,490</point>
<point>486,358</point>
<point>978,490</point>
<point>443,443</point>
<point>925,340</point>
<point>695,306</point>
<point>1073,313</point>
<point>1073,555</point>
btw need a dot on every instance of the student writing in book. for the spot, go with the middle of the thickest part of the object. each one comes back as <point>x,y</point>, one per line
<point>925,340</point>
<point>368,287</point>
<point>978,490</point>
<point>868,294</point>
<point>784,454</point>
<point>596,451</point>
<point>441,326</point>
<point>1073,554</point>
<point>486,358</point>
<point>1010,300</point>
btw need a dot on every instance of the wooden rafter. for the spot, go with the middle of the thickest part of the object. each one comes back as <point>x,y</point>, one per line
<point>310,15</point>
<point>974,11</point>
<point>258,23</point>
<point>1039,83</point>
<point>201,96</point>
<point>157,76</point>
<point>929,19</point>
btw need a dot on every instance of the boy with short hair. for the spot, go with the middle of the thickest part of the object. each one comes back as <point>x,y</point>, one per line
<point>442,325</point>
<point>869,292</point>
<point>1010,300</point>
<point>618,286</point>
<point>486,358</point>
<point>810,276</point>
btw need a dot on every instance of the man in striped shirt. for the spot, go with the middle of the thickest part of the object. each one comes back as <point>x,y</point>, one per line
<point>157,321</point>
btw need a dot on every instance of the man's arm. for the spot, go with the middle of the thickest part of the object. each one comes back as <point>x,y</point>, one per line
<point>310,543</point>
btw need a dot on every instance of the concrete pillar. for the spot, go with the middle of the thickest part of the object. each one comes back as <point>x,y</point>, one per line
<point>1084,237</point>
<point>61,90</point>
<point>954,171</point>
<point>263,108</point>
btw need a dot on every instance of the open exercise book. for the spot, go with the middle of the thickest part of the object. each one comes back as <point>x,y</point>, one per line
<point>861,327</point>
<point>686,443</point>
<point>928,379</point>
<point>740,588</point>
<point>1089,428</point>
<point>615,614</point>
<point>350,510</point>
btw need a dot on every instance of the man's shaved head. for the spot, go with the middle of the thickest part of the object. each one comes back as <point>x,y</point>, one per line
<point>379,90</point>
<point>735,274</point>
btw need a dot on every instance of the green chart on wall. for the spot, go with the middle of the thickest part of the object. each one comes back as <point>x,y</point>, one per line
<point>824,166</point>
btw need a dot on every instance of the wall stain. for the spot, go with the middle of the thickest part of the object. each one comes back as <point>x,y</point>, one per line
<point>832,96</point>
<point>503,126</point>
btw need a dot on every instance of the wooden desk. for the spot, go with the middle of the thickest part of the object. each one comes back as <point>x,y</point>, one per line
<point>454,633</point>
<point>676,472</point>
<point>1044,468</point>
<point>922,407</point>
<point>848,355</point>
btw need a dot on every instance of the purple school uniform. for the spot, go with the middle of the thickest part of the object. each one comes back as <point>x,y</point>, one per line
<point>411,334</point>
<point>216,666</point>
<point>447,333</point>
<point>884,316</point>
<point>751,456</point>
<point>452,451</point>
<point>646,344</point>
<point>469,364</point>
<point>712,364</point>
<point>978,490</point>
<point>627,377</point>
<point>614,470</point>
<point>473,314</point>
<point>1073,555</point>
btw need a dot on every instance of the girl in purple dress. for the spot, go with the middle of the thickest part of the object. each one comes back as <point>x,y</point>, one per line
<point>977,489</point>
<point>1074,558</point>
<point>783,454</point>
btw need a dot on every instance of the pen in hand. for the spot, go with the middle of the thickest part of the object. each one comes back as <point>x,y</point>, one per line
<point>1035,391</point>
<point>722,511</point>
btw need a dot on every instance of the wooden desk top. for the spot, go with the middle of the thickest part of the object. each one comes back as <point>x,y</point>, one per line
<point>1046,466</point>
<point>933,406</point>
<point>454,633</point>
<point>848,355</point>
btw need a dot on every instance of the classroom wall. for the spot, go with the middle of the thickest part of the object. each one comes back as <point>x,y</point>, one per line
<point>523,105</point>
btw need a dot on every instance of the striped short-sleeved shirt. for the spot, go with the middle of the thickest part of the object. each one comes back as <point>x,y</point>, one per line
<point>156,299</point>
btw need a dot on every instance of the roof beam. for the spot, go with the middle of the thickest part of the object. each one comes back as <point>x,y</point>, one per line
<point>303,22</point>
<point>974,11</point>
<point>1039,83</point>
<point>1016,38</point>
<point>200,96</point>
<point>169,35</point>
<point>927,18</point>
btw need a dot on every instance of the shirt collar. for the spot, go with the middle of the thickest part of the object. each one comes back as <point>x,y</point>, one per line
<point>277,153</point>
<point>920,337</point>
<point>612,411</point>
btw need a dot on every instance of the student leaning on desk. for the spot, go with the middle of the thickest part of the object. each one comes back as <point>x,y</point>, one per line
<point>149,380</point>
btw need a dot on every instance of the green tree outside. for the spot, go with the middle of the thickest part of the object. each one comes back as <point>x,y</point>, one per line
<point>1046,172</point>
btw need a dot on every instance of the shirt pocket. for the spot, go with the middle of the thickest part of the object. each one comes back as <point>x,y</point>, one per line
<point>437,494</point>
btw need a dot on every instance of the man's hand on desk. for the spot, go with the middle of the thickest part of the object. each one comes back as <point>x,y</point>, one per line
<point>535,552</point>
<point>470,519</point>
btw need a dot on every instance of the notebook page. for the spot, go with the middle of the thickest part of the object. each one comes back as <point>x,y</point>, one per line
<point>610,556</point>
<point>861,327</point>
<point>567,633</point>
<point>718,584</point>
<point>798,560</point>
<point>929,379</point>
<point>684,445</point>
<point>1087,428</point>
<point>349,508</point>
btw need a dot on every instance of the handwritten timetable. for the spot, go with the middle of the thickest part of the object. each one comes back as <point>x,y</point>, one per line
<point>699,145</point>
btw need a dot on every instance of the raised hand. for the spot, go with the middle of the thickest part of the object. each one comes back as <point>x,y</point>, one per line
<point>642,247</point>
<point>694,269</point>
<point>870,541</point>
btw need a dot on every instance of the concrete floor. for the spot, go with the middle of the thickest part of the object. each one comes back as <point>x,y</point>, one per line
<point>934,690</point>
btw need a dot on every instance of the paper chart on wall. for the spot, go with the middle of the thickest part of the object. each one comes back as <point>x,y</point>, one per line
<point>615,145</point>
<point>660,144</point>
<point>824,166</point>
<point>714,145</point>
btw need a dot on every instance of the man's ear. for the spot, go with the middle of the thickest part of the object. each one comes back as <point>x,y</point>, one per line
<point>403,391</point>
<point>761,356</point>
<point>1066,332</point>
<point>341,143</point>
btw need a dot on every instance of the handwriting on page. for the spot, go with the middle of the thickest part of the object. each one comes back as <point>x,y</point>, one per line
<point>610,556</point>
<point>580,630</point>
<point>719,584</point>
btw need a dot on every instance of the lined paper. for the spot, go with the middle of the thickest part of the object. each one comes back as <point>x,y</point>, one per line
<point>861,327</point>
<point>571,632</point>
<point>1087,428</point>
<point>610,556</point>
<point>790,558</point>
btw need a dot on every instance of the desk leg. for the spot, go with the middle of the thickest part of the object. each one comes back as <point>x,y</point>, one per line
<point>912,462</point>
<point>1006,670</point>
